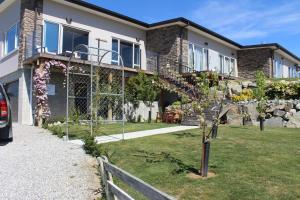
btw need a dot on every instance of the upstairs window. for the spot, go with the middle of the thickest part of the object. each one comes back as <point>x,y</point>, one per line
<point>74,37</point>
<point>51,35</point>
<point>11,39</point>
<point>130,53</point>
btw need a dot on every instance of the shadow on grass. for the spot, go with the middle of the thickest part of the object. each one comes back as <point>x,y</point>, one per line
<point>179,165</point>
<point>185,135</point>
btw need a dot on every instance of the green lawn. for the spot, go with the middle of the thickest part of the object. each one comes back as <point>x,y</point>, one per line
<point>248,164</point>
<point>79,131</point>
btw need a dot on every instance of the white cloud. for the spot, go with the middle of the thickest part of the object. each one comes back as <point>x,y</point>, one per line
<point>249,18</point>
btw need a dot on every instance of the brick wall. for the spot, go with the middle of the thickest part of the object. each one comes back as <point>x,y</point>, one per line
<point>251,60</point>
<point>30,26</point>
<point>170,43</point>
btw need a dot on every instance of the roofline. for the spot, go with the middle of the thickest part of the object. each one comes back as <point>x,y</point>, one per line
<point>153,25</point>
<point>176,20</point>
<point>197,26</point>
<point>108,12</point>
<point>268,45</point>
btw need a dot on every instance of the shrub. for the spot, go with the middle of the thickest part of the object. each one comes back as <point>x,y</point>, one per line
<point>246,95</point>
<point>56,130</point>
<point>283,90</point>
<point>90,145</point>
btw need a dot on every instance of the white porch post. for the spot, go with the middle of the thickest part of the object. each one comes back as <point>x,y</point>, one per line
<point>24,107</point>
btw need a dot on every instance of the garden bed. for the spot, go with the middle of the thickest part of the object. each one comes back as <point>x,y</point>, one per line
<point>244,162</point>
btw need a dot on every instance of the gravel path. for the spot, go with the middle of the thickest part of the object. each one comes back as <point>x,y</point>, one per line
<point>38,165</point>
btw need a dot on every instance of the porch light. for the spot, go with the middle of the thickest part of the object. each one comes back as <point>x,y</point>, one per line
<point>69,20</point>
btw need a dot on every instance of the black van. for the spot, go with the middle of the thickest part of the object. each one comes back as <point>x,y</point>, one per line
<point>5,116</point>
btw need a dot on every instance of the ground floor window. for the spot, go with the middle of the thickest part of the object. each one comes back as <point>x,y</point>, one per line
<point>278,69</point>
<point>293,72</point>
<point>227,65</point>
<point>130,53</point>
<point>198,58</point>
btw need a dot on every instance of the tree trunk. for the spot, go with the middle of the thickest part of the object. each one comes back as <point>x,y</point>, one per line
<point>261,123</point>
<point>150,114</point>
<point>214,131</point>
<point>205,153</point>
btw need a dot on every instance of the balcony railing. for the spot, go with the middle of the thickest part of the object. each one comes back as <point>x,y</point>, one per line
<point>158,63</point>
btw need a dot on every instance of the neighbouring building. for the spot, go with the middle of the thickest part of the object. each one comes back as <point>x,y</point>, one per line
<point>34,31</point>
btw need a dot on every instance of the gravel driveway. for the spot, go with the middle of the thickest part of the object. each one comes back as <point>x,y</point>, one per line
<point>38,165</point>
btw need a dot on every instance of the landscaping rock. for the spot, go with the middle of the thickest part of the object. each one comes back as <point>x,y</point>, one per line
<point>234,116</point>
<point>287,116</point>
<point>293,111</point>
<point>268,115</point>
<point>235,88</point>
<point>288,106</point>
<point>297,106</point>
<point>271,107</point>
<point>278,113</point>
<point>252,112</point>
<point>274,122</point>
<point>293,123</point>
<point>246,84</point>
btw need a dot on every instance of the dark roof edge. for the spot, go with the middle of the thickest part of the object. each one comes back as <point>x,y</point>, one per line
<point>272,45</point>
<point>197,26</point>
<point>146,25</point>
<point>180,19</point>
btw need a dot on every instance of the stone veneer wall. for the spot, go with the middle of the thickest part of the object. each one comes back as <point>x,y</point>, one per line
<point>251,60</point>
<point>170,43</point>
<point>30,26</point>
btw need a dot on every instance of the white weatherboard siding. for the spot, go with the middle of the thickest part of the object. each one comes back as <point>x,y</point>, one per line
<point>97,26</point>
<point>215,49</point>
<point>8,17</point>
<point>285,65</point>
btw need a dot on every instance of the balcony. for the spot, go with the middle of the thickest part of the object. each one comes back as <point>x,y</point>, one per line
<point>49,46</point>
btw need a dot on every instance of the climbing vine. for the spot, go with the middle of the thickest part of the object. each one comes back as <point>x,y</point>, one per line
<point>40,80</point>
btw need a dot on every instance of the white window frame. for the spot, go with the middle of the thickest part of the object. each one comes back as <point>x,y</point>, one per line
<point>16,46</point>
<point>60,34</point>
<point>133,52</point>
<point>59,37</point>
<point>192,62</point>
<point>232,66</point>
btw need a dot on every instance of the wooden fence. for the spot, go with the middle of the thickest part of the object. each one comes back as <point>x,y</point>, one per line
<point>113,192</point>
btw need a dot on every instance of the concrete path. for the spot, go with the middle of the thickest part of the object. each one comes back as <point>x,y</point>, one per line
<point>38,165</point>
<point>139,134</point>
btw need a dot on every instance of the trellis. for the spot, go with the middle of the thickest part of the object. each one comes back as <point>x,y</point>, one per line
<point>95,90</point>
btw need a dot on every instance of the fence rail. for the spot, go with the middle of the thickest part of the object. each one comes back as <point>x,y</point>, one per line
<point>113,192</point>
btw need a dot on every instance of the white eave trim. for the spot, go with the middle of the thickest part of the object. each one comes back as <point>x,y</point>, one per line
<point>99,14</point>
<point>287,56</point>
<point>5,4</point>
<point>212,37</point>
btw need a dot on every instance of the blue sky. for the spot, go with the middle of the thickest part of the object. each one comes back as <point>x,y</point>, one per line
<point>244,21</point>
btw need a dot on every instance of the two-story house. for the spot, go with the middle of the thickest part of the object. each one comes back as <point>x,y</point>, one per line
<point>32,31</point>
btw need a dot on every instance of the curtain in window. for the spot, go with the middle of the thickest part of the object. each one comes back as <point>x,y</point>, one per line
<point>232,67</point>
<point>221,70</point>
<point>198,59</point>
<point>205,59</point>
<point>227,66</point>
<point>191,57</point>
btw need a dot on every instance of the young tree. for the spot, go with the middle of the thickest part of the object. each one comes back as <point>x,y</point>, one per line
<point>142,88</point>
<point>261,97</point>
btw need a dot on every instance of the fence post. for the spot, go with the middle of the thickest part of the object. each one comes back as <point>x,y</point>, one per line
<point>105,177</point>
